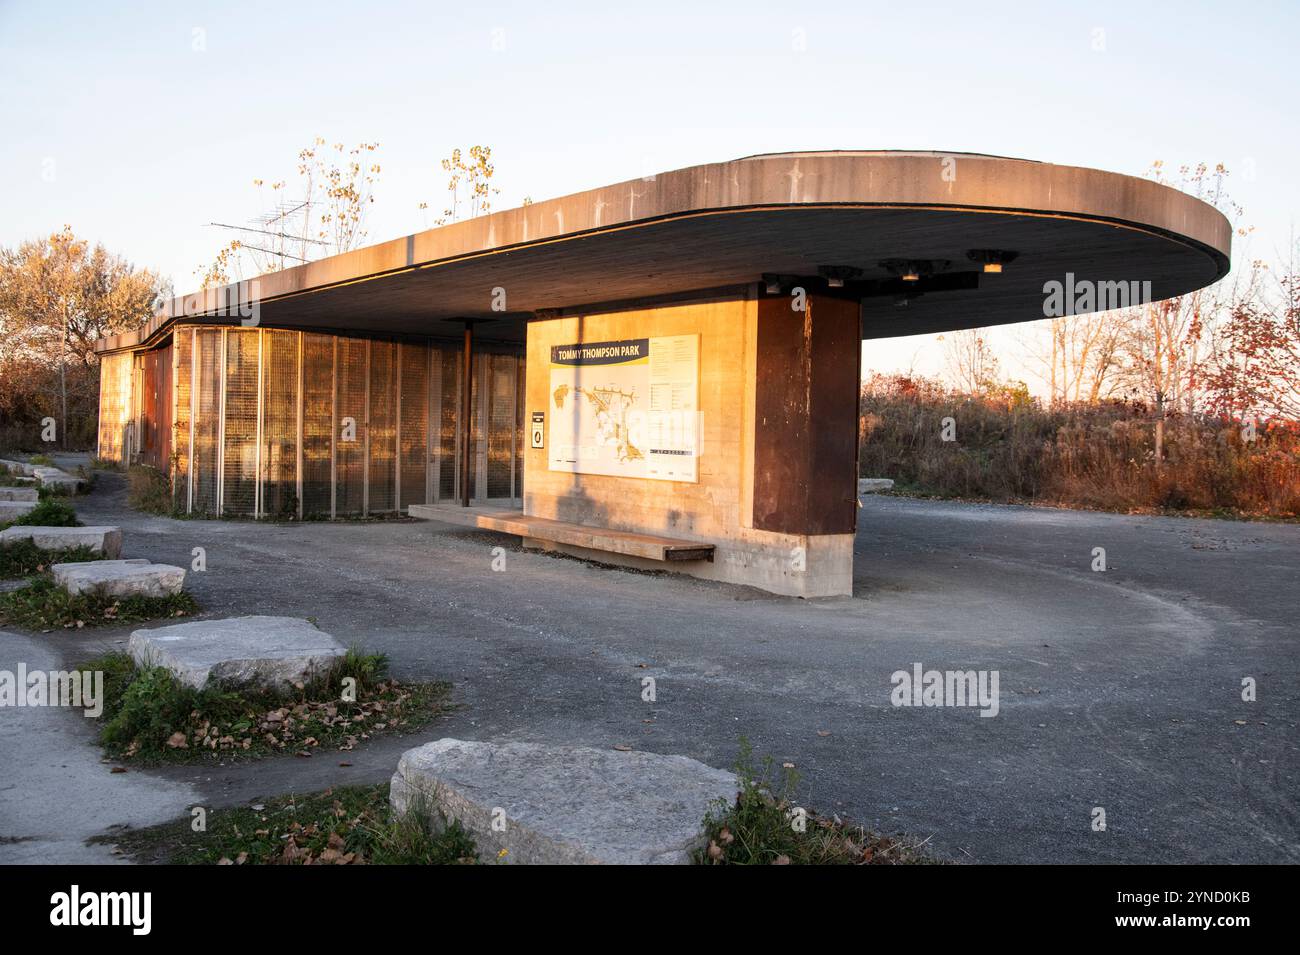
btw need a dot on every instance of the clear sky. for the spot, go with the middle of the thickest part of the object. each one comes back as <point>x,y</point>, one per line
<point>136,123</point>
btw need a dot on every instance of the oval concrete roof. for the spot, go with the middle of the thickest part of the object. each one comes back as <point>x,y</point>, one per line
<point>723,225</point>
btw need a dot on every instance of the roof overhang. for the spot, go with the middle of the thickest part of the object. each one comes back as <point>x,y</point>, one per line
<point>726,225</point>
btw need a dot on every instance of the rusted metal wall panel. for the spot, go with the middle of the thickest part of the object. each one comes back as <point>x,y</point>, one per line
<point>805,405</point>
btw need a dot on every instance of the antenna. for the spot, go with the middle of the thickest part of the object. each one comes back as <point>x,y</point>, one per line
<point>287,222</point>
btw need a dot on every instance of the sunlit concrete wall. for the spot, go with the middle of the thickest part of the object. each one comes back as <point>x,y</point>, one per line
<point>719,508</point>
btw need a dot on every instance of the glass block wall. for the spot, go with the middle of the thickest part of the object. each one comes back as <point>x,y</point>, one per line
<point>282,424</point>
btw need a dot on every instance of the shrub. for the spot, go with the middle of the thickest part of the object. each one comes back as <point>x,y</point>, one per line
<point>1011,448</point>
<point>154,704</point>
<point>50,512</point>
<point>150,714</point>
<point>149,490</point>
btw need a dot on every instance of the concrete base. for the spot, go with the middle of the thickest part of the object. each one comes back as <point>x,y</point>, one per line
<point>101,540</point>
<point>242,651</point>
<point>798,567</point>
<point>874,485</point>
<point>563,805</point>
<point>12,510</point>
<point>18,494</point>
<point>120,578</point>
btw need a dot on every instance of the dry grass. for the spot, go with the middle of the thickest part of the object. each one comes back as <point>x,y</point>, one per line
<point>1009,448</point>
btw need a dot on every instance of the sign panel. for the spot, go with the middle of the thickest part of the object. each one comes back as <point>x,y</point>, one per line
<point>539,429</point>
<point>627,409</point>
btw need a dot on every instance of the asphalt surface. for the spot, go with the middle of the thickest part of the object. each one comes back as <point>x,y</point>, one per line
<point>1119,690</point>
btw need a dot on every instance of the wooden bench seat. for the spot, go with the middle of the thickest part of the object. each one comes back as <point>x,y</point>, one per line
<point>596,538</point>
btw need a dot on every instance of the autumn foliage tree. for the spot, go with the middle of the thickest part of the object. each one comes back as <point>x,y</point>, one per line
<point>1254,369</point>
<point>58,296</point>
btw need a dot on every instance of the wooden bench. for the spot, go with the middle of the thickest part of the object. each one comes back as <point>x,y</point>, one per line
<point>595,538</point>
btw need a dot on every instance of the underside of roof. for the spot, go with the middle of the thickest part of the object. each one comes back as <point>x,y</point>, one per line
<point>780,220</point>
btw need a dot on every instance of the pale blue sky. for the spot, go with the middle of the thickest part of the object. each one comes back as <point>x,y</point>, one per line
<point>114,123</point>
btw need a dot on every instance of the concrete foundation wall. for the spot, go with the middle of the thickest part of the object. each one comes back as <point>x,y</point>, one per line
<point>718,508</point>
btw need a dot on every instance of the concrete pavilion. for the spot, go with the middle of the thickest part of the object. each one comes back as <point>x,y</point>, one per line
<point>659,373</point>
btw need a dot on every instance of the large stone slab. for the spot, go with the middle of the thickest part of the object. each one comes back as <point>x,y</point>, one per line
<point>243,651</point>
<point>54,477</point>
<point>875,485</point>
<point>101,540</point>
<point>19,494</point>
<point>17,467</point>
<point>119,578</point>
<point>12,510</point>
<point>563,805</point>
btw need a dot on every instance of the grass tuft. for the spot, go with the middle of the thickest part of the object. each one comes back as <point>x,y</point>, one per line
<point>761,827</point>
<point>22,558</point>
<point>44,605</point>
<point>344,825</point>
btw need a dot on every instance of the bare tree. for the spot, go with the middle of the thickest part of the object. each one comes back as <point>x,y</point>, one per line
<point>968,361</point>
<point>1077,357</point>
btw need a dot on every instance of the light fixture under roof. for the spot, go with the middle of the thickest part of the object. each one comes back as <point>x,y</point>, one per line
<point>837,275</point>
<point>912,270</point>
<point>992,259</point>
